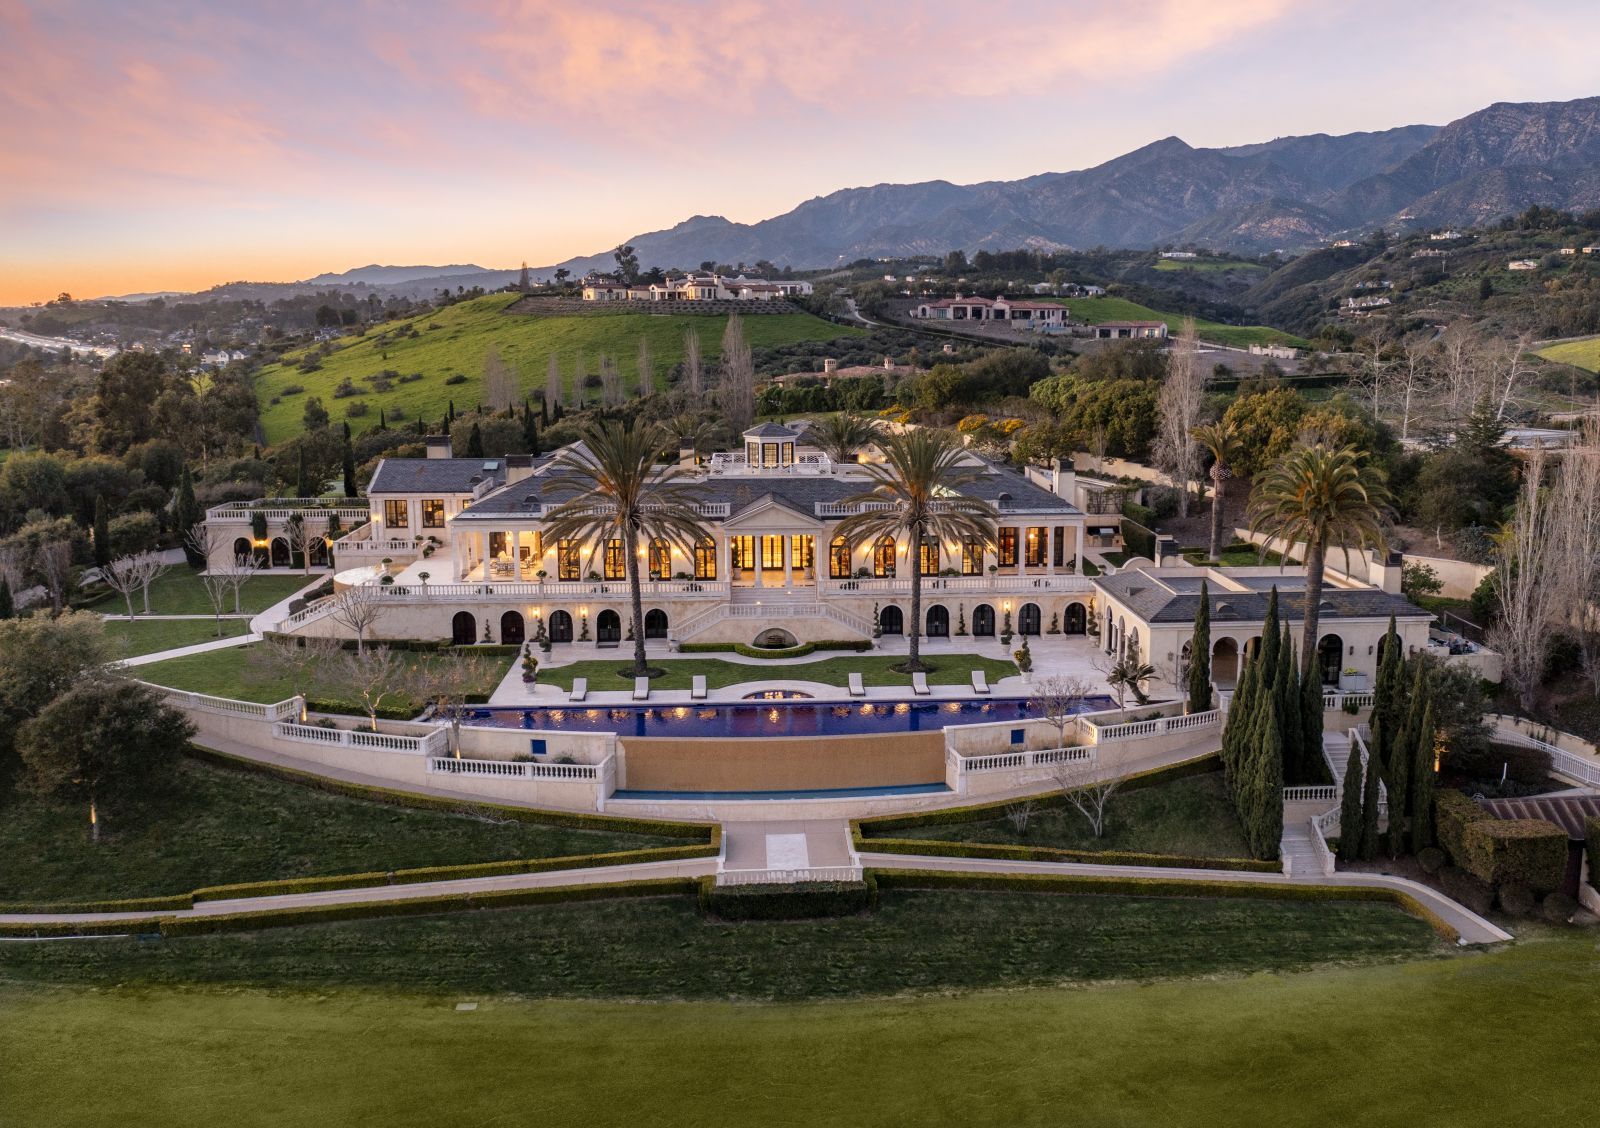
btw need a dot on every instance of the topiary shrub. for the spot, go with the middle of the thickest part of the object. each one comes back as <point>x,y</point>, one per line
<point>1529,852</point>
<point>1516,899</point>
<point>1558,908</point>
<point>1461,886</point>
<point>1453,813</point>
<point>1431,859</point>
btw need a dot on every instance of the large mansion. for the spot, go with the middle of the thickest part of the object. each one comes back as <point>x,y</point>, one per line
<point>701,286</point>
<point>455,548</point>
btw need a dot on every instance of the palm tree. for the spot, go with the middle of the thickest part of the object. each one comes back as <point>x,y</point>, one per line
<point>1323,496</point>
<point>843,433</point>
<point>916,497</point>
<point>1221,441</point>
<point>615,490</point>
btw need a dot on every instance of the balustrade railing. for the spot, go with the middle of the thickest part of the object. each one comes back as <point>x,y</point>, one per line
<point>517,769</point>
<point>430,742</point>
<point>1157,726</point>
<point>1321,793</point>
<point>204,702</point>
<point>788,876</point>
<point>1013,761</point>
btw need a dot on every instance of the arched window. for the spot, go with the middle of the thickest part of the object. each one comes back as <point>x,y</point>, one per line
<point>1330,654</point>
<point>655,623</point>
<point>1077,619</point>
<point>616,563</point>
<point>280,553</point>
<point>318,548</point>
<point>705,559</point>
<point>512,628</point>
<point>931,559</point>
<point>660,560</point>
<point>608,627</point>
<point>983,621</point>
<point>838,559</point>
<point>891,620</point>
<point>241,548</point>
<point>463,629</point>
<point>1028,619</point>
<point>560,626</point>
<point>883,557</point>
<point>938,621</point>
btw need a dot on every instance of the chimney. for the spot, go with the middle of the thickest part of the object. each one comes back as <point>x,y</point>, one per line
<point>830,366</point>
<point>1385,571</point>
<point>888,364</point>
<point>686,458</point>
<point>439,446</point>
<point>1065,472</point>
<point>518,467</point>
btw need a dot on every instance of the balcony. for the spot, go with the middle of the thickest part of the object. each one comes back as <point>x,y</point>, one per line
<point>998,583</point>
<point>359,548</point>
<point>351,511</point>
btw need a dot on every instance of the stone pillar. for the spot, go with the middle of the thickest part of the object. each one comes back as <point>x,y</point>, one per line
<point>1022,550</point>
<point>1079,558</point>
<point>756,544</point>
<point>788,560</point>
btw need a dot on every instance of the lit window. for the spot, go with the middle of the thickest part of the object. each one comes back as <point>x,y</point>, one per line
<point>433,513</point>
<point>397,514</point>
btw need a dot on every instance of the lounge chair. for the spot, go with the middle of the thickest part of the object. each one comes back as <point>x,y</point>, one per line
<point>857,687</point>
<point>980,682</point>
<point>919,685</point>
<point>697,688</point>
<point>580,689</point>
<point>641,689</point>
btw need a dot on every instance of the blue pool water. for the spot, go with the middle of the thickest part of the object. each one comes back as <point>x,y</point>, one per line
<point>773,718</point>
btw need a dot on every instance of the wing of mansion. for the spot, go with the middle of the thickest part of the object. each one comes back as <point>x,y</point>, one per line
<point>455,549</point>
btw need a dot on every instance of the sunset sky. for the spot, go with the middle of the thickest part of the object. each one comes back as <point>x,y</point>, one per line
<point>153,146</point>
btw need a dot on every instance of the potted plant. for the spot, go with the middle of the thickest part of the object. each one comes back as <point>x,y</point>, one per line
<point>423,576</point>
<point>1024,660</point>
<point>530,668</point>
<point>1352,680</point>
<point>541,574</point>
<point>1005,630</point>
<point>542,637</point>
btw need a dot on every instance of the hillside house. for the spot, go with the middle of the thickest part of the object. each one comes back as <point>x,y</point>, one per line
<point>1119,330</point>
<point>1179,255</point>
<point>1522,264</point>
<point>975,308</point>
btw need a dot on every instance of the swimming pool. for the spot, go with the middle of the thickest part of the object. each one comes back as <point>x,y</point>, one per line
<point>773,718</point>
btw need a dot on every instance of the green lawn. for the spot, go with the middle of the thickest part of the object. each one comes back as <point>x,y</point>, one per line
<point>218,826</point>
<point>1583,354</point>
<point>609,673</point>
<point>1095,310</point>
<point>453,341</point>
<point>1207,265</point>
<point>146,636</point>
<point>180,592</point>
<point>229,673</point>
<point>1191,816</point>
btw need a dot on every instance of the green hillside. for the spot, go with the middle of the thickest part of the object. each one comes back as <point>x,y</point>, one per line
<point>1205,265</point>
<point>1093,311</point>
<point>1581,354</point>
<point>453,341</point>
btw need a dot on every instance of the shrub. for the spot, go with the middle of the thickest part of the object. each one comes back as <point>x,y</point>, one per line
<point>1453,812</point>
<point>802,901</point>
<point>1431,859</point>
<point>1461,886</point>
<point>292,389</point>
<point>1591,827</point>
<point>1529,852</point>
<point>344,389</point>
<point>458,378</point>
<point>799,651</point>
<point>1520,764</point>
<point>1516,899</point>
<point>1558,908</point>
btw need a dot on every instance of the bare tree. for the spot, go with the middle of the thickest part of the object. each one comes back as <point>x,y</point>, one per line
<point>499,382</point>
<point>356,608</point>
<point>1412,379</point>
<point>610,381</point>
<point>1181,398</point>
<point>1019,815</point>
<point>647,368</point>
<point>300,661</point>
<point>1059,698</point>
<point>1575,499</point>
<point>736,389</point>
<point>238,571</point>
<point>1097,446</point>
<point>53,560</point>
<point>692,375</point>
<point>447,680</point>
<point>552,382</point>
<point>1083,787</point>
<point>1525,579</point>
<point>151,569</point>
<point>122,577</point>
<point>300,538</point>
<point>373,674</point>
<point>580,377</point>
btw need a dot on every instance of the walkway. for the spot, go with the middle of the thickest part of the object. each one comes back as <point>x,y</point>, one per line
<point>260,622</point>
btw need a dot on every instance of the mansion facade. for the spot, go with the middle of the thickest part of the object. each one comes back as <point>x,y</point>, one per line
<point>701,286</point>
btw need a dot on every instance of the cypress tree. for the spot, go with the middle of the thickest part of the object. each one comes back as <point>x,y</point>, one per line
<point>302,480</point>
<point>346,426</point>
<point>421,430</point>
<point>544,412</point>
<point>1401,753</point>
<point>533,439</point>
<point>1369,807</point>
<point>475,442</point>
<point>1266,823</point>
<point>102,532</point>
<point>383,423</point>
<point>1383,703</point>
<point>450,414</point>
<point>1350,812</point>
<point>349,470</point>
<point>1311,728</point>
<point>186,515</point>
<point>1200,656</point>
<point>8,607</point>
<point>1241,715</point>
<point>1422,784</point>
<point>1286,713</point>
<point>1271,640</point>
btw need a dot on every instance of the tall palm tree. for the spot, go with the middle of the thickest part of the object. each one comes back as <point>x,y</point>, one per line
<point>615,490</point>
<point>1325,497</point>
<point>843,433</point>
<point>916,496</point>
<point>1221,441</point>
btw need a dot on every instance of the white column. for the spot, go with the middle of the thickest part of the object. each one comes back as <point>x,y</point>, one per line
<point>757,542</point>
<point>1079,558</point>
<point>788,551</point>
<point>1022,551</point>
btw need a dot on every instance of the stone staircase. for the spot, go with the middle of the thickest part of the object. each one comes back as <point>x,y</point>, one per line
<point>1336,754</point>
<point>705,620</point>
<point>1300,858</point>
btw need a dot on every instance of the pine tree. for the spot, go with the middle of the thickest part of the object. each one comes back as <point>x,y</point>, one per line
<point>1370,798</point>
<point>475,442</point>
<point>1350,812</point>
<point>1422,772</point>
<point>8,607</point>
<point>349,470</point>
<point>1200,656</point>
<point>102,532</point>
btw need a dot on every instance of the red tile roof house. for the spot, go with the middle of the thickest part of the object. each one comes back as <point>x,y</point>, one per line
<point>959,308</point>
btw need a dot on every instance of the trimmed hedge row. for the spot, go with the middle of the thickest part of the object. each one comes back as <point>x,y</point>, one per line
<point>1530,852</point>
<point>123,905</point>
<point>1591,845</point>
<point>937,848</point>
<point>806,900</point>
<point>1158,887</point>
<point>856,644</point>
<point>1453,813</point>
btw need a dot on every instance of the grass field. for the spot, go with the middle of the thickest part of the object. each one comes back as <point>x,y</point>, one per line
<point>1465,1040</point>
<point>1093,311</point>
<point>1191,816</point>
<point>180,592</point>
<point>454,340</point>
<point>1207,265</point>
<point>1584,353</point>
<point>218,826</point>
<point>949,669</point>
<point>228,673</point>
<point>146,636</point>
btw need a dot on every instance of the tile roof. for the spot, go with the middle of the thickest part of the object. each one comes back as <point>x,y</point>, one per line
<point>424,475</point>
<point>1155,602</point>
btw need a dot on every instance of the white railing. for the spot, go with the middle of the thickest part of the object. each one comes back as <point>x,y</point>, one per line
<point>517,769</point>
<point>205,703</point>
<point>282,508</point>
<point>366,546</point>
<point>692,626</point>
<point>1319,844</point>
<point>1339,699</point>
<point>1012,761</point>
<point>1321,793</point>
<point>433,741</point>
<point>524,591</point>
<point>1133,730</point>
<point>1570,764</point>
<point>307,613</point>
<point>868,585</point>
<point>788,876</point>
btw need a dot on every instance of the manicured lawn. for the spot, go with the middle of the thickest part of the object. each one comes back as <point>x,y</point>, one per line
<point>949,669</point>
<point>1207,265</point>
<point>1582,354</point>
<point>1191,816</point>
<point>146,636</point>
<point>218,826</point>
<point>1465,1041</point>
<point>1095,310</point>
<point>229,673</point>
<point>180,592</point>
<point>454,341</point>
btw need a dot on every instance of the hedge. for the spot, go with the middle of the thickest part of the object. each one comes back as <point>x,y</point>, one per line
<point>806,900</point>
<point>1086,885</point>
<point>941,849</point>
<point>803,648</point>
<point>140,925</point>
<point>124,905</point>
<point>1531,852</point>
<point>1453,813</point>
<point>1591,829</point>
